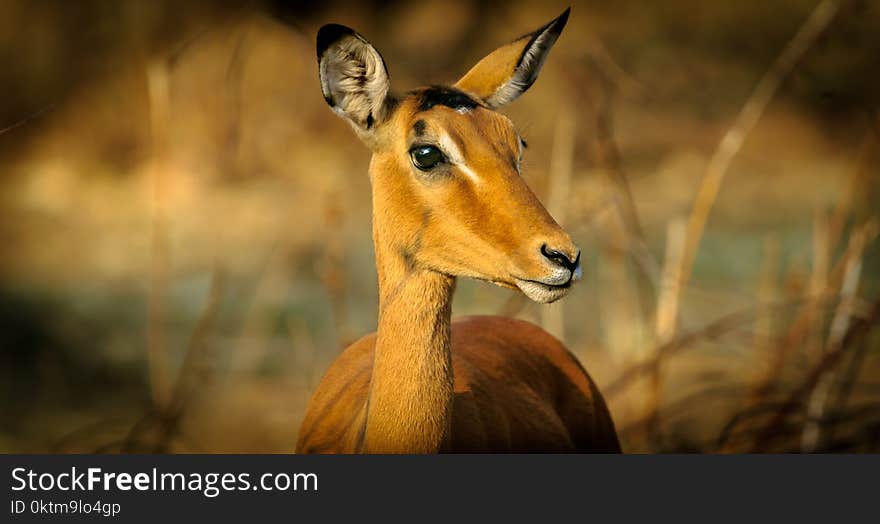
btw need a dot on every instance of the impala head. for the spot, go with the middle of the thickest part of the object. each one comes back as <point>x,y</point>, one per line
<point>447,190</point>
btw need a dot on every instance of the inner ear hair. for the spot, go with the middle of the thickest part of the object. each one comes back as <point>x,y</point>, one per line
<point>354,79</point>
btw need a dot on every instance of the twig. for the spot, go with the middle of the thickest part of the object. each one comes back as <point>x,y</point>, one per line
<point>800,327</point>
<point>195,355</point>
<point>33,116</point>
<point>682,342</point>
<point>768,435</point>
<point>166,420</point>
<point>599,91</point>
<point>681,405</point>
<point>839,326</point>
<point>727,432</point>
<point>767,291</point>
<point>748,116</point>
<point>847,384</point>
<point>711,331</point>
<point>61,445</point>
<point>157,83</point>
<point>843,207</point>
<point>818,282</point>
<point>608,157</point>
<point>666,319</point>
<point>559,188</point>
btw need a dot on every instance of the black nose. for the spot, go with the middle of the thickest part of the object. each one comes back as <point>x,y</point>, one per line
<point>560,258</point>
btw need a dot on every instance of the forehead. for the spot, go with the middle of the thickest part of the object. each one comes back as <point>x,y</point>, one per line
<point>427,98</point>
<point>442,108</point>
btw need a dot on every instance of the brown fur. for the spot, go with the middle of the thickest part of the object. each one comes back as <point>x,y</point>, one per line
<point>492,71</point>
<point>422,383</point>
<point>516,389</point>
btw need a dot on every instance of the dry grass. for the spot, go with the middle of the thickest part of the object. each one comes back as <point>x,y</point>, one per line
<point>190,241</point>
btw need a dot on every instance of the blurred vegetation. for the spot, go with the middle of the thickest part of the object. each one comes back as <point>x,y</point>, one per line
<point>185,225</point>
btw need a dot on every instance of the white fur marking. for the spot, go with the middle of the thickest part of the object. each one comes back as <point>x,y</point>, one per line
<point>455,157</point>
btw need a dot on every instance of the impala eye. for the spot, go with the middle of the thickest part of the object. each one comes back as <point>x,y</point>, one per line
<point>426,157</point>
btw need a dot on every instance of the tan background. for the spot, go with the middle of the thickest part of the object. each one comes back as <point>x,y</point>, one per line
<point>185,225</point>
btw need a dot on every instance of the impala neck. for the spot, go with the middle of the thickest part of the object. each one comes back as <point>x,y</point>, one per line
<point>410,402</point>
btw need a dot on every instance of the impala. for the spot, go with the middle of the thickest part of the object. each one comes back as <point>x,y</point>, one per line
<point>448,202</point>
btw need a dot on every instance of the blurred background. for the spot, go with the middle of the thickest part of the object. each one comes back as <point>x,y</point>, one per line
<point>185,224</point>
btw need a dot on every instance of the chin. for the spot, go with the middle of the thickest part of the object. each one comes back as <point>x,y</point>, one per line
<point>542,293</point>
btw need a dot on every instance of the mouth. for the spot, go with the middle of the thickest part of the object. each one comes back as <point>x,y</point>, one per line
<point>543,292</point>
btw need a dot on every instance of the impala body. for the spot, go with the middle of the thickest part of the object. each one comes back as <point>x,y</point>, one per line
<point>448,202</point>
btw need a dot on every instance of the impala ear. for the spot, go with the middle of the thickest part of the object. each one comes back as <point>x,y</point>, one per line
<point>510,70</point>
<point>353,77</point>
